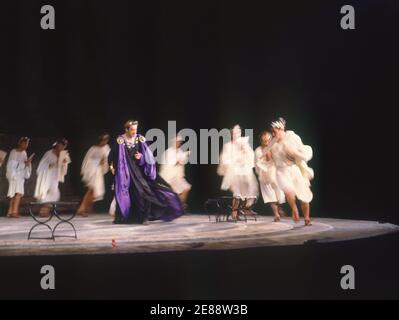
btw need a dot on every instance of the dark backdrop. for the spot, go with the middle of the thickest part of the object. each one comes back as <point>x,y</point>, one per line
<point>210,64</point>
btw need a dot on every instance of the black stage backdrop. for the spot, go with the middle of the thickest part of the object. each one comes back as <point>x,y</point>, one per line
<point>211,64</point>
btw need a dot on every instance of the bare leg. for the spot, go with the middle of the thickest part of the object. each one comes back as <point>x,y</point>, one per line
<point>234,207</point>
<point>281,211</point>
<point>44,212</point>
<point>10,207</point>
<point>274,206</point>
<point>16,202</point>
<point>86,203</point>
<point>306,212</point>
<point>83,205</point>
<point>291,199</point>
<point>249,203</point>
<point>183,196</point>
<point>90,201</point>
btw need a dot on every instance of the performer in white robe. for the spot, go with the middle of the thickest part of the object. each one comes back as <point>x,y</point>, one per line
<point>3,156</point>
<point>52,170</point>
<point>266,170</point>
<point>94,167</point>
<point>293,175</point>
<point>19,168</point>
<point>236,164</point>
<point>172,169</point>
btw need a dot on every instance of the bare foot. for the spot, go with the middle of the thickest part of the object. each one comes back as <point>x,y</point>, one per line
<point>308,222</point>
<point>83,214</point>
<point>44,214</point>
<point>281,212</point>
<point>295,216</point>
<point>234,215</point>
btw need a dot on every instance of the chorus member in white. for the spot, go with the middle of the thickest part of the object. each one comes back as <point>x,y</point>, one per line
<point>19,168</point>
<point>236,164</point>
<point>52,170</point>
<point>172,169</point>
<point>293,175</point>
<point>94,167</point>
<point>3,156</point>
<point>266,170</point>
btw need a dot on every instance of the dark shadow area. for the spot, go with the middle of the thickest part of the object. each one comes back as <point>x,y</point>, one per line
<point>311,271</point>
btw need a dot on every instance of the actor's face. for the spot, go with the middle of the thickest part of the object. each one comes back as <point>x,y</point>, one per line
<point>104,141</point>
<point>265,139</point>
<point>60,147</point>
<point>131,131</point>
<point>24,145</point>
<point>235,134</point>
<point>278,133</point>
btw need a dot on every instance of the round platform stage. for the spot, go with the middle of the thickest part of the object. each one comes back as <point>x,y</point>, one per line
<point>98,235</point>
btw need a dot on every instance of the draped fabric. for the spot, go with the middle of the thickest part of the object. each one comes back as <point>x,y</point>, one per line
<point>94,166</point>
<point>140,194</point>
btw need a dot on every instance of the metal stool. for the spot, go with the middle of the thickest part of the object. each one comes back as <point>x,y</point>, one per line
<point>222,208</point>
<point>53,213</point>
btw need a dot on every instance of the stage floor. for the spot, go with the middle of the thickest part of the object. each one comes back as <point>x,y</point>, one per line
<point>190,232</point>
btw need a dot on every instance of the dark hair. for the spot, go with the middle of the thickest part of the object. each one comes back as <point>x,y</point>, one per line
<point>130,123</point>
<point>103,136</point>
<point>279,123</point>
<point>62,141</point>
<point>22,140</point>
<point>263,133</point>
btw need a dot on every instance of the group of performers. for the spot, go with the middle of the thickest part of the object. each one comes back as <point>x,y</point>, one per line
<point>142,195</point>
<point>281,164</point>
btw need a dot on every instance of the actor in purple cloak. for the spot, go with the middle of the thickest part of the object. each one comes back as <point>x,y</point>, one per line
<point>140,194</point>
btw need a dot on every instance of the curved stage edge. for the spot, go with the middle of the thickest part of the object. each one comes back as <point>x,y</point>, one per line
<point>98,235</point>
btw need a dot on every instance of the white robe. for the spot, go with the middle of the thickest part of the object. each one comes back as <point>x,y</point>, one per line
<point>50,172</point>
<point>94,166</point>
<point>17,172</point>
<point>293,175</point>
<point>236,164</point>
<point>266,171</point>
<point>172,169</point>
<point>3,156</point>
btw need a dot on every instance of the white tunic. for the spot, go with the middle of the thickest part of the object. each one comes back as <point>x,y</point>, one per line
<point>237,161</point>
<point>172,169</point>
<point>17,172</point>
<point>94,166</point>
<point>50,172</point>
<point>3,155</point>
<point>293,175</point>
<point>266,171</point>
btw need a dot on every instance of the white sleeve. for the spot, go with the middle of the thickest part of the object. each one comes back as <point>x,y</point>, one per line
<point>12,165</point>
<point>259,164</point>
<point>221,170</point>
<point>86,160</point>
<point>28,171</point>
<point>167,164</point>
<point>258,155</point>
<point>28,168</point>
<point>171,157</point>
<point>105,162</point>
<point>303,152</point>
<point>65,160</point>
<point>44,163</point>
<point>251,156</point>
